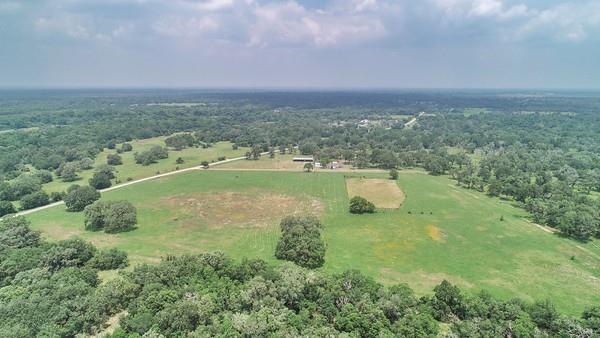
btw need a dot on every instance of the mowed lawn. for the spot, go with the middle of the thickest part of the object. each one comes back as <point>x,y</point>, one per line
<point>129,169</point>
<point>440,232</point>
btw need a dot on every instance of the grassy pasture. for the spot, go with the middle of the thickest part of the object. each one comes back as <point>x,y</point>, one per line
<point>440,232</point>
<point>384,193</point>
<point>279,162</point>
<point>130,169</point>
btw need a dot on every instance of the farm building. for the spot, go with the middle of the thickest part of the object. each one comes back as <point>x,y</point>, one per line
<point>303,159</point>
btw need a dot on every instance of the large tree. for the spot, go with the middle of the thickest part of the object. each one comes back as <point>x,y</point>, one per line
<point>301,241</point>
<point>360,205</point>
<point>80,197</point>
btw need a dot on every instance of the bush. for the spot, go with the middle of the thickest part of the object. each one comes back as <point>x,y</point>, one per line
<point>6,208</point>
<point>44,176</point>
<point>56,196</point>
<point>77,199</point>
<point>109,259</point>
<point>151,156</point>
<point>94,216</point>
<point>114,159</point>
<point>360,205</point>
<point>112,216</point>
<point>393,174</point>
<point>86,163</point>
<point>120,216</point>
<point>106,169</point>
<point>34,200</point>
<point>301,241</point>
<point>126,147</point>
<point>180,141</point>
<point>100,180</point>
<point>68,172</point>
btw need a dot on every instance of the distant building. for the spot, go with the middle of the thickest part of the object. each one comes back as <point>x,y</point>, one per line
<point>318,165</point>
<point>363,123</point>
<point>303,159</point>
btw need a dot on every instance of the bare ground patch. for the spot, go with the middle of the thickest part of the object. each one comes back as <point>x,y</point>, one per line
<point>385,194</point>
<point>254,209</point>
<point>435,233</point>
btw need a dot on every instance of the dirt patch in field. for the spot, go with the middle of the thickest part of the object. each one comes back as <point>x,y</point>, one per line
<point>385,194</point>
<point>256,208</point>
<point>435,233</point>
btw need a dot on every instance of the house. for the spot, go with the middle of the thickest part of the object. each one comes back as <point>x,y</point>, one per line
<point>303,159</point>
<point>363,123</point>
<point>318,165</point>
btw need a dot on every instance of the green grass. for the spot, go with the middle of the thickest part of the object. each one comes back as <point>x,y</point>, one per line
<point>130,169</point>
<point>450,233</point>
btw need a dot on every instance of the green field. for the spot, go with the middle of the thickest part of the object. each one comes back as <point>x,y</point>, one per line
<point>440,232</point>
<point>130,169</point>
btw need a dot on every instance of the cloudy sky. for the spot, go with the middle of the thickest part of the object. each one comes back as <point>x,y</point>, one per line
<point>301,43</point>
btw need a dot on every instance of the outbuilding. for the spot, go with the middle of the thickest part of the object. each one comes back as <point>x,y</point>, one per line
<point>303,159</point>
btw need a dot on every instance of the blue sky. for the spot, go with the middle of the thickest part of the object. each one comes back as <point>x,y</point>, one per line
<point>311,43</point>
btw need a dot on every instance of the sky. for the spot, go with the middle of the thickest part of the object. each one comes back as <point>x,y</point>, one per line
<point>300,43</point>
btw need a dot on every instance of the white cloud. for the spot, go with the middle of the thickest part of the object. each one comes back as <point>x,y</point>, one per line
<point>208,5</point>
<point>265,23</point>
<point>290,23</point>
<point>486,8</point>
<point>185,27</point>
<point>9,6</point>
<point>567,22</point>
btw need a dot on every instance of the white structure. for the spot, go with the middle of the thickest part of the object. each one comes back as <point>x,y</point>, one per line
<point>303,159</point>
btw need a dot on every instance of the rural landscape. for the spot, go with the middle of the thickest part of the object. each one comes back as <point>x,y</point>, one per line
<point>441,218</point>
<point>300,169</point>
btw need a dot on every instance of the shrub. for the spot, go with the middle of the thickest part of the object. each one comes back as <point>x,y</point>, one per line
<point>94,216</point>
<point>6,208</point>
<point>56,196</point>
<point>106,169</point>
<point>86,163</point>
<point>114,159</point>
<point>126,147</point>
<point>34,200</point>
<point>151,156</point>
<point>109,259</point>
<point>112,216</point>
<point>77,199</point>
<point>44,176</point>
<point>100,180</point>
<point>360,205</point>
<point>180,141</point>
<point>120,216</point>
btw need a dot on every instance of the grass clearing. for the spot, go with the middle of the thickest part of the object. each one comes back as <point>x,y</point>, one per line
<point>255,208</point>
<point>384,193</point>
<point>280,162</point>
<point>129,169</point>
<point>450,233</point>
